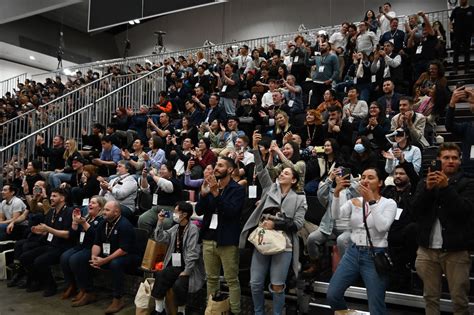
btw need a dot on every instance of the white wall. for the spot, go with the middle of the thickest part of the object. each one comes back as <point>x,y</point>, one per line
<point>246,19</point>
<point>10,69</point>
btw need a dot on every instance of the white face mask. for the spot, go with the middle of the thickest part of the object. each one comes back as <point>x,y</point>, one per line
<point>176,217</point>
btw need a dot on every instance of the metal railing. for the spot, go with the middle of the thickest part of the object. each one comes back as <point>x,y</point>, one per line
<point>280,41</point>
<point>9,84</point>
<point>31,120</point>
<point>141,90</point>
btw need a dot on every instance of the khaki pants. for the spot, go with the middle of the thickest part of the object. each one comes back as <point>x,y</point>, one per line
<point>228,258</point>
<point>431,264</point>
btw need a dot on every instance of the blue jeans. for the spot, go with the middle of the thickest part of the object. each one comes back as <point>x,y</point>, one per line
<point>279,265</point>
<point>76,269</point>
<point>358,261</point>
<point>55,179</point>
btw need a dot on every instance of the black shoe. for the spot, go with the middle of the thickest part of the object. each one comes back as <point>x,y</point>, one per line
<point>50,291</point>
<point>17,277</point>
<point>154,312</point>
<point>34,286</point>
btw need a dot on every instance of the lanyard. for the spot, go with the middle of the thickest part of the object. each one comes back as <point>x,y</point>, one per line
<point>314,132</point>
<point>179,238</point>
<point>120,179</point>
<point>55,215</point>
<point>107,232</point>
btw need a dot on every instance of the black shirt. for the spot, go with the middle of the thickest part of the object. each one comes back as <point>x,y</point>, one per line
<point>232,91</point>
<point>463,19</point>
<point>119,234</point>
<point>89,235</point>
<point>59,221</point>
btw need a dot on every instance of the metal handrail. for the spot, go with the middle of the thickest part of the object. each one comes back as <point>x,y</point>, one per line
<point>7,85</point>
<point>222,46</point>
<point>74,119</point>
<point>64,96</point>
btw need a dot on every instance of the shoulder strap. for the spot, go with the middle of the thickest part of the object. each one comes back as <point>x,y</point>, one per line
<point>366,227</point>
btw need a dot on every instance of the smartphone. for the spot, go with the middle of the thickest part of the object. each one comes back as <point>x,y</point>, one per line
<point>345,171</point>
<point>318,149</point>
<point>435,166</point>
<point>167,213</point>
<point>77,211</point>
<point>460,84</point>
<point>380,9</point>
<point>36,190</point>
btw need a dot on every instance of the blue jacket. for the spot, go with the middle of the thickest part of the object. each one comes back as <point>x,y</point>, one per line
<point>228,206</point>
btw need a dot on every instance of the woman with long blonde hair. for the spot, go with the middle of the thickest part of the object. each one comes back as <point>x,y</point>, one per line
<point>70,154</point>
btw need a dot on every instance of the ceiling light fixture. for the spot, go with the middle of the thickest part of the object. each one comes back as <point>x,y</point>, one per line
<point>32,58</point>
<point>131,22</point>
<point>137,21</point>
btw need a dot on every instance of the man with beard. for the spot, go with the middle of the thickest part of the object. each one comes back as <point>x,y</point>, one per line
<point>443,210</point>
<point>54,240</point>
<point>221,204</point>
<point>114,249</point>
<point>326,72</point>
<point>402,234</point>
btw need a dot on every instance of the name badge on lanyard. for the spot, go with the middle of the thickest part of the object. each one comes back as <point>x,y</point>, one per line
<point>214,222</point>
<point>106,249</point>
<point>176,259</point>
<point>50,237</point>
<point>81,237</point>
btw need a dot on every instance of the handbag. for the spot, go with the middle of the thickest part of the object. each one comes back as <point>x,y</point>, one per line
<point>218,304</point>
<point>383,263</point>
<point>144,302</point>
<point>268,242</point>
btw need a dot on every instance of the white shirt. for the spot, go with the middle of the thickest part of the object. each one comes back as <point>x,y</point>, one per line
<point>267,99</point>
<point>14,205</point>
<point>366,42</point>
<point>124,190</point>
<point>380,217</point>
<point>338,40</point>
<point>385,23</point>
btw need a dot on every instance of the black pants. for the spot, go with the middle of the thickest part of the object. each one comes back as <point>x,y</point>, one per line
<point>318,94</point>
<point>25,245</point>
<point>38,261</point>
<point>169,278</point>
<point>462,44</point>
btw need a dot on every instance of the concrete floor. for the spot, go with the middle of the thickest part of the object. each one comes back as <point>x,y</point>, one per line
<point>17,301</point>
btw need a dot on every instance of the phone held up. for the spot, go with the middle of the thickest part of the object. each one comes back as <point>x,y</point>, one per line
<point>435,166</point>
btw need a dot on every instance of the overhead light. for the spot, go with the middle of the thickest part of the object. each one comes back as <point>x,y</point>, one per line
<point>137,21</point>
<point>131,22</point>
<point>67,72</point>
<point>32,58</point>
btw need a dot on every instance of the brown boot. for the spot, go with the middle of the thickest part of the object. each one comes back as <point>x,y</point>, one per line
<point>312,270</point>
<point>115,306</point>
<point>87,298</point>
<point>70,291</point>
<point>79,295</point>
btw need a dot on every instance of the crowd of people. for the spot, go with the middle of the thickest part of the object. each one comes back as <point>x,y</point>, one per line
<point>237,144</point>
